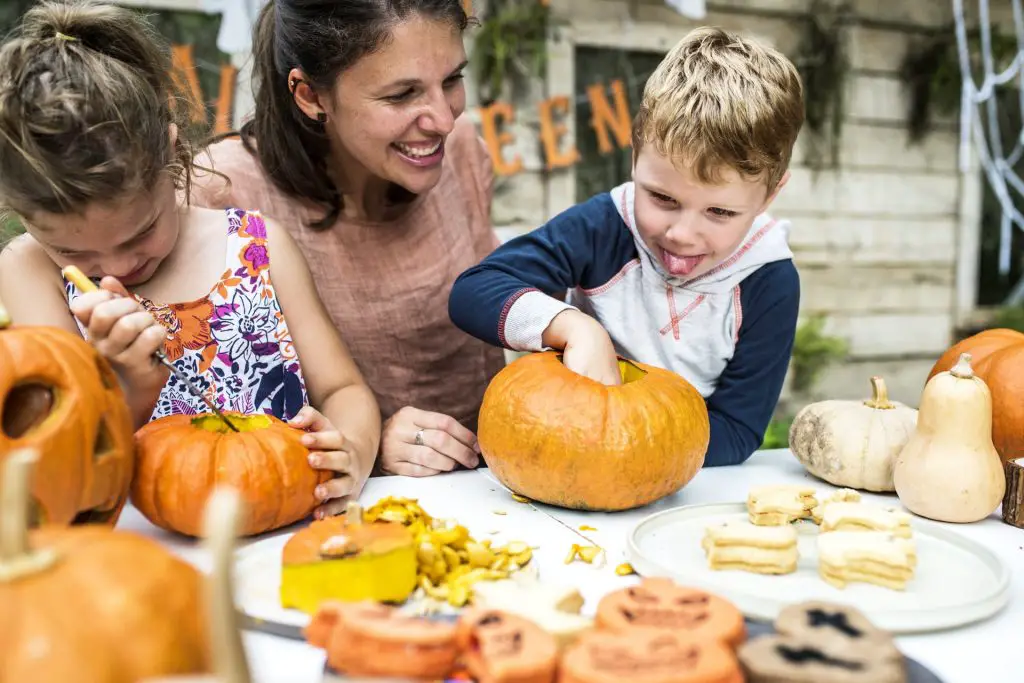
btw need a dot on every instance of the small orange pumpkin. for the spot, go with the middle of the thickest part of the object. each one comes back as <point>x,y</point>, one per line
<point>557,437</point>
<point>182,458</point>
<point>90,604</point>
<point>59,397</point>
<point>997,357</point>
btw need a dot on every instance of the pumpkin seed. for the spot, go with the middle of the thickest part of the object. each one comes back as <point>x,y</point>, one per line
<point>520,499</point>
<point>585,527</point>
<point>500,512</point>
<point>625,569</point>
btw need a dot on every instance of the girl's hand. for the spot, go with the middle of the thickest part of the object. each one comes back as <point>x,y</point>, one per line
<point>329,450</point>
<point>418,443</point>
<point>123,332</point>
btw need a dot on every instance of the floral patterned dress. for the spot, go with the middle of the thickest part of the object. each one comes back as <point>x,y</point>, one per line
<point>233,343</point>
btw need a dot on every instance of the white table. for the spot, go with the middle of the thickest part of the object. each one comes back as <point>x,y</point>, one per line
<point>981,653</point>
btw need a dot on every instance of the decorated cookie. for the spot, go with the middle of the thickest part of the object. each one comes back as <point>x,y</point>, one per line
<point>662,605</point>
<point>648,656</point>
<point>779,504</point>
<point>556,609</point>
<point>835,627</point>
<point>751,548</point>
<point>797,659</point>
<point>371,639</point>
<point>498,647</point>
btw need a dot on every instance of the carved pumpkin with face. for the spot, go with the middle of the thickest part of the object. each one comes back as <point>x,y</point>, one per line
<point>498,647</point>
<point>648,656</point>
<point>60,398</point>
<point>660,604</point>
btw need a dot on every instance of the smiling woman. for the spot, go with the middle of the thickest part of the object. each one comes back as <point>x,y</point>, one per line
<point>359,148</point>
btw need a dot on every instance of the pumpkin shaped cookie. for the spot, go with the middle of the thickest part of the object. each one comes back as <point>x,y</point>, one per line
<point>661,604</point>
<point>504,648</point>
<point>372,639</point>
<point>648,656</point>
<point>799,659</point>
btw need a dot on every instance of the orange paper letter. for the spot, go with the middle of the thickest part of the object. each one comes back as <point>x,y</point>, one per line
<point>225,98</point>
<point>183,74</point>
<point>602,117</point>
<point>551,133</point>
<point>495,141</point>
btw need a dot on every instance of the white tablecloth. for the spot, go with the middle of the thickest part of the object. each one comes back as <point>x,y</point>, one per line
<point>981,653</point>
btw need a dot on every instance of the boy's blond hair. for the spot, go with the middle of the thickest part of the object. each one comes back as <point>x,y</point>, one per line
<point>719,101</point>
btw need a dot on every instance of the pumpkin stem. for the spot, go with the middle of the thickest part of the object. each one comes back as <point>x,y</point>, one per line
<point>16,558</point>
<point>221,521</point>
<point>879,395</point>
<point>963,369</point>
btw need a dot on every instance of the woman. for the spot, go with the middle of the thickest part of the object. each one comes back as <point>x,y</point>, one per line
<point>358,148</point>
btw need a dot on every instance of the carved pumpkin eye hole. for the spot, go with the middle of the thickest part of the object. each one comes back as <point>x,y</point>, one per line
<point>642,595</point>
<point>490,620</point>
<point>693,600</point>
<point>26,407</point>
<point>104,444</point>
<point>36,513</point>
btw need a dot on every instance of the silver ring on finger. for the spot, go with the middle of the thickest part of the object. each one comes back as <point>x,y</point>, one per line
<point>419,438</point>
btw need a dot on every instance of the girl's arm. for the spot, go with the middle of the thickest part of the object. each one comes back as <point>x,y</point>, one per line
<point>335,386</point>
<point>119,328</point>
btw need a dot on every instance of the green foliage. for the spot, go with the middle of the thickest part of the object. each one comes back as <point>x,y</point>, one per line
<point>813,351</point>
<point>511,42</point>
<point>777,434</point>
<point>10,227</point>
<point>1011,317</point>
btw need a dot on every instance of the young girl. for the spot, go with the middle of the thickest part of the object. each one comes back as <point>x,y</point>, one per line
<point>91,160</point>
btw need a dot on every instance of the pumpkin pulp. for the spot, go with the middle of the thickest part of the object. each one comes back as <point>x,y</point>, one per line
<point>628,371</point>
<point>246,423</point>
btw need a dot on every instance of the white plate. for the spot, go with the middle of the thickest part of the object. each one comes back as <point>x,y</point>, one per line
<point>258,583</point>
<point>956,582</point>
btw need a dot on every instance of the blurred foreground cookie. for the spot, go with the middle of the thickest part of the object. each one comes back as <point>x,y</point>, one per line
<point>836,627</point>
<point>504,648</point>
<point>780,504</point>
<point>662,605</point>
<point>797,659</point>
<point>371,639</point>
<point>556,609</point>
<point>646,656</point>
<point>751,548</point>
<point>874,557</point>
<point>865,517</point>
<point>839,496</point>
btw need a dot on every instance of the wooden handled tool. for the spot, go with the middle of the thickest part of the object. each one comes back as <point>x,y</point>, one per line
<point>84,284</point>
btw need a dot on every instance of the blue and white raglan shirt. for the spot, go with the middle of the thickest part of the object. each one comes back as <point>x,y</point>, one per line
<point>728,332</point>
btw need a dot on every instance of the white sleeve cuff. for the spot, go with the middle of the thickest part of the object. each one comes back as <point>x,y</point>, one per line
<point>530,314</point>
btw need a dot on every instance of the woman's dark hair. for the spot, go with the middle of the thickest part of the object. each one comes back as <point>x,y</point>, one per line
<point>322,38</point>
<point>85,109</point>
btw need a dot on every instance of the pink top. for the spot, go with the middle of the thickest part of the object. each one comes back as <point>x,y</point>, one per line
<point>386,284</point>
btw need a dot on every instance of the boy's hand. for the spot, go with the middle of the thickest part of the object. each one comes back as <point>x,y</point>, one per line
<point>586,347</point>
<point>330,450</point>
<point>124,332</point>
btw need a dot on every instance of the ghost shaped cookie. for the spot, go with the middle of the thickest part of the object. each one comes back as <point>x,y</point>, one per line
<point>835,627</point>
<point>504,648</point>
<point>663,605</point>
<point>648,656</point>
<point>798,659</point>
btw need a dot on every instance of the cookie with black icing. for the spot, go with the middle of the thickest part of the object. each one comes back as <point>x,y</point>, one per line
<point>792,659</point>
<point>835,627</point>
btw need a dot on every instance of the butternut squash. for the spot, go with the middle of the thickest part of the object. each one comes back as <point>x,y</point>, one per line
<point>949,470</point>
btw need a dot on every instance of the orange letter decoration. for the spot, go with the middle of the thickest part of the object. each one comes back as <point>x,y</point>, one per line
<point>183,74</point>
<point>225,98</point>
<point>602,117</point>
<point>551,133</point>
<point>495,141</point>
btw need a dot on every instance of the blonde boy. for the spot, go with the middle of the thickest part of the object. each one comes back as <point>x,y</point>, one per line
<point>682,267</point>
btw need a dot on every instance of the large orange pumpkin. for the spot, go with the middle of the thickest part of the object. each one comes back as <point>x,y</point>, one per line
<point>90,604</point>
<point>182,458</point>
<point>59,397</point>
<point>557,437</point>
<point>997,357</point>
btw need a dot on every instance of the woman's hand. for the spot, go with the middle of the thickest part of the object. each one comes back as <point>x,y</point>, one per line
<point>419,443</point>
<point>329,450</point>
<point>124,332</point>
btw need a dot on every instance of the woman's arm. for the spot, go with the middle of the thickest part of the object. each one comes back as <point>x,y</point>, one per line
<point>119,328</point>
<point>336,387</point>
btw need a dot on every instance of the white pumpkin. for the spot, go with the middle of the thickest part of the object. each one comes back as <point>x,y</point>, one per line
<point>853,444</point>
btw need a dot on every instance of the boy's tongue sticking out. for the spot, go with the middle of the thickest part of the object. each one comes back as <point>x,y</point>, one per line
<point>680,266</point>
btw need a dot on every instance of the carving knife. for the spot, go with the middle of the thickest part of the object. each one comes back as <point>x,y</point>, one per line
<point>84,284</point>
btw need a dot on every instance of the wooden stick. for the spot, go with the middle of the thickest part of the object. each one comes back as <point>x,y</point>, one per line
<point>221,525</point>
<point>17,559</point>
<point>1013,499</point>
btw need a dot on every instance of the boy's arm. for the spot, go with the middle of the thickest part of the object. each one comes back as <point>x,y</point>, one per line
<point>510,298</point>
<point>748,390</point>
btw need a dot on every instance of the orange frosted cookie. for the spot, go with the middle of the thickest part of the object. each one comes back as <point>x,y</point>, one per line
<point>662,604</point>
<point>648,656</point>
<point>504,648</point>
<point>371,639</point>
